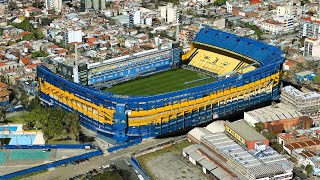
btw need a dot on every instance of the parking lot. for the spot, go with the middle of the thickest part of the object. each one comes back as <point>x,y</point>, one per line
<point>169,164</point>
<point>118,170</point>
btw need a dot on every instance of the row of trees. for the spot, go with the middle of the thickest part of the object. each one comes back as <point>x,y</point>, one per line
<point>27,26</point>
<point>54,122</point>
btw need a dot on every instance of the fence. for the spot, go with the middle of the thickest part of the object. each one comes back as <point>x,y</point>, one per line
<point>137,166</point>
<point>130,143</point>
<point>49,146</point>
<point>51,165</point>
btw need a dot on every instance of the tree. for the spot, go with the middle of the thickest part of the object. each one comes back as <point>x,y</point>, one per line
<point>317,79</point>
<point>39,54</point>
<point>28,37</point>
<point>1,31</point>
<point>309,169</point>
<point>24,100</point>
<point>34,104</point>
<point>219,2</point>
<point>24,25</point>
<point>46,21</point>
<point>259,126</point>
<point>38,34</point>
<point>3,114</point>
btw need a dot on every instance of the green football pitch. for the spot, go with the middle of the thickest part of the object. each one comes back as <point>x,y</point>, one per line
<point>163,82</point>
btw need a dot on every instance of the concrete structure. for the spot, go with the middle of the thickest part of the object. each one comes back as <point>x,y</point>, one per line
<point>169,13</point>
<point>306,103</point>
<point>99,5</point>
<point>288,10</point>
<point>72,36</point>
<point>279,25</point>
<point>312,47</point>
<point>196,134</point>
<point>246,135</point>
<point>309,27</point>
<point>271,113</point>
<point>259,163</point>
<point>53,4</point>
<point>198,155</point>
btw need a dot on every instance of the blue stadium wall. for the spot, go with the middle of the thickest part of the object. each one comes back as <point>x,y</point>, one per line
<point>123,118</point>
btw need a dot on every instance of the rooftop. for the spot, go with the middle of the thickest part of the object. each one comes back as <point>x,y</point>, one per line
<point>298,94</point>
<point>274,113</point>
<point>259,163</point>
<point>245,131</point>
<point>304,144</point>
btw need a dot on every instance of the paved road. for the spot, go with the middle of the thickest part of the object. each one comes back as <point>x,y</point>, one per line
<point>73,170</point>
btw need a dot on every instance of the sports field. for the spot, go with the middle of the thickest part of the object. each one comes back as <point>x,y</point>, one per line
<point>163,82</point>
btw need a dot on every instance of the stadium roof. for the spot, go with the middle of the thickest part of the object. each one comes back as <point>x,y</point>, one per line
<point>245,131</point>
<point>259,51</point>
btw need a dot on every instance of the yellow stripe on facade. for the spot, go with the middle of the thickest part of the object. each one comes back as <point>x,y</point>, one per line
<point>159,115</point>
<point>92,110</point>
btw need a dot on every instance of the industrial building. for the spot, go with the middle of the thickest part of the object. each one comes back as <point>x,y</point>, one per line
<point>245,134</point>
<point>228,152</point>
<point>306,103</point>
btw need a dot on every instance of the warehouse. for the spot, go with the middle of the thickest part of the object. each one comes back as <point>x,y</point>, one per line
<point>245,134</point>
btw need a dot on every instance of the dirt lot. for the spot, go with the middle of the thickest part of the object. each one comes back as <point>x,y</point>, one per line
<point>169,164</point>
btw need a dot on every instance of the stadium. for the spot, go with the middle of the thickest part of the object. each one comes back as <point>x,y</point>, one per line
<point>160,91</point>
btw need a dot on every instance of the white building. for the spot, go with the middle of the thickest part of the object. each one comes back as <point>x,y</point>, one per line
<point>288,10</point>
<point>312,47</point>
<point>137,17</point>
<point>72,36</point>
<point>54,4</point>
<point>287,22</point>
<point>169,13</point>
<point>306,103</point>
<point>229,7</point>
<point>309,27</point>
<point>272,27</point>
<point>57,5</point>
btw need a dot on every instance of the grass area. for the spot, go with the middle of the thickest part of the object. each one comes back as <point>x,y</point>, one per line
<point>163,82</point>
<point>54,141</point>
<point>17,119</point>
<point>29,175</point>
<point>110,175</point>
<point>175,148</point>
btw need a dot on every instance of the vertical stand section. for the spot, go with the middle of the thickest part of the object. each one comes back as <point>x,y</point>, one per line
<point>120,123</point>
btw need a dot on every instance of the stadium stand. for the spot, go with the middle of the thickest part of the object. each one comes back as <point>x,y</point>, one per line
<point>216,63</point>
<point>125,118</point>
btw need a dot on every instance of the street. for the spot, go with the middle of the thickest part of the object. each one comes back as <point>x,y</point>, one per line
<point>62,172</point>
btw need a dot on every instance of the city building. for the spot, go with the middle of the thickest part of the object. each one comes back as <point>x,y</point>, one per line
<point>99,5</point>
<point>309,27</point>
<point>312,47</point>
<point>272,27</point>
<point>288,10</point>
<point>245,134</point>
<point>306,103</point>
<point>305,76</point>
<point>72,36</point>
<point>276,118</point>
<point>169,13</point>
<point>261,162</point>
<point>56,5</point>
<point>4,94</point>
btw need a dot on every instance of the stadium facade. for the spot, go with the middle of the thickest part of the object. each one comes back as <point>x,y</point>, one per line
<point>247,73</point>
